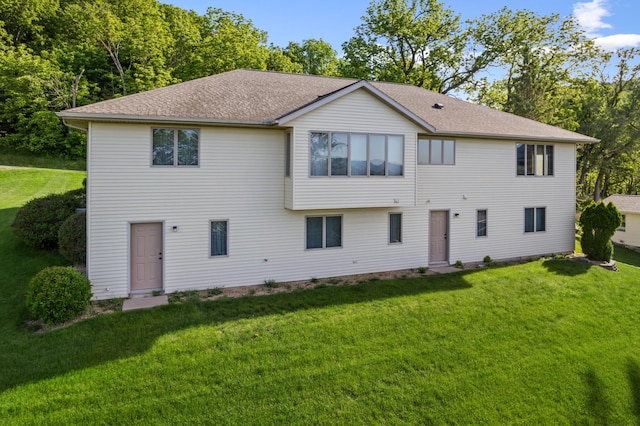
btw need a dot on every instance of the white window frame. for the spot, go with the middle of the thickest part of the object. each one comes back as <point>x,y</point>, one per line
<point>486,223</point>
<point>287,154</point>
<point>535,220</point>
<point>428,143</point>
<point>534,168</point>
<point>211,222</point>
<point>390,240</point>
<point>324,232</point>
<point>368,161</point>
<point>175,147</point>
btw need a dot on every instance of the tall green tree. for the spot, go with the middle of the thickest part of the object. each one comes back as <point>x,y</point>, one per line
<point>315,56</point>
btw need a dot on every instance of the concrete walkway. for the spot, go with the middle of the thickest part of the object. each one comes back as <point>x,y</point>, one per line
<point>144,302</point>
<point>445,269</point>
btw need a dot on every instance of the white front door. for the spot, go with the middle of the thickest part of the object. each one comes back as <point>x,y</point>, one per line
<point>146,257</point>
<point>438,237</point>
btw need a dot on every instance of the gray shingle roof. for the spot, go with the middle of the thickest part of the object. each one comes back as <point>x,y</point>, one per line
<point>260,97</point>
<point>625,203</point>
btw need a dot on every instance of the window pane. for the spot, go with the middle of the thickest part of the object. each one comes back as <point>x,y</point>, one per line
<point>482,223</point>
<point>436,151</point>
<point>550,160</point>
<point>377,155</point>
<point>287,154</point>
<point>531,159</point>
<point>448,149</point>
<point>528,220</point>
<point>396,155</point>
<point>219,238</point>
<point>395,228</point>
<point>540,219</point>
<point>520,159</point>
<point>540,161</point>
<point>339,154</point>
<point>334,231</point>
<point>314,232</point>
<point>162,147</point>
<point>319,154</point>
<point>423,151</point>
<point>187,147</point>
<point>358,155</point>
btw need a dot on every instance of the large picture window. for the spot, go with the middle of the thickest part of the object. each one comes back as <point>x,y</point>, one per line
<point>356,154</point>
<point>534,160</point>
<point>324,232</point>
<point>535,219</point>
<point>175,147</point>
<point>436,151</point>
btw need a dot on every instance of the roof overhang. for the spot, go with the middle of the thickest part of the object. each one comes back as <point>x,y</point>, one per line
<point>523,138</point>
<point>362,84</point>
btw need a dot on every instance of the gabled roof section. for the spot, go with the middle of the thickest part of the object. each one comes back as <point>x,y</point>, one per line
<point>625,203</point>
<point>262,98</point>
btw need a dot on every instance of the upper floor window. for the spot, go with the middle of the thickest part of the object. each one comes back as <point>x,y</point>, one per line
<point>356,154</point>
<point>287,154</point>
<point>534,160</point>
<point>436,151</point>
<point>175,147</point>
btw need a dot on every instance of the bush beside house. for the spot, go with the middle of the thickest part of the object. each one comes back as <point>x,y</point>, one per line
<point>599,222</point>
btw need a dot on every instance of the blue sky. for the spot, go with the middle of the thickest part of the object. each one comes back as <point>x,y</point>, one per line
<point>612,23</point>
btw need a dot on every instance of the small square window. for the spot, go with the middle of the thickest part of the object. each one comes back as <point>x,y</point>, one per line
<point>324,232</point>
<point>535,219</point>
<point>175,147</point>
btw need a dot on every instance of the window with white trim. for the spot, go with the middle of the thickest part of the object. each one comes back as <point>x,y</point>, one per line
<point>175,147</point>
<point>356,154</point>
<point>323,232</point>
<point>534,160</point>
<point>481,223</point>
<point>395,228</point>
<point>436,151</point>
<point>535,219</point>
<point>287,154</point>
<point>219,238</point>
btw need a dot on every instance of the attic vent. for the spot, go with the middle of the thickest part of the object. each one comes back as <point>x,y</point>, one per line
<point>438,106</point>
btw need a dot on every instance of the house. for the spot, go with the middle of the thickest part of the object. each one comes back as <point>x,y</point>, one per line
<point>248,176</point>
<point>629,232</point>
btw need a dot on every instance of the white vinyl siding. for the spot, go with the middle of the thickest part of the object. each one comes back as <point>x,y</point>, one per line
<point>359,115</point>
<point>629,232</point>
<point>240,179</point>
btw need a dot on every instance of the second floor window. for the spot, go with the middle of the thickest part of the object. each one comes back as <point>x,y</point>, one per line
<point>534,160</point>
<point>175,147</point>
<point>356,154</point>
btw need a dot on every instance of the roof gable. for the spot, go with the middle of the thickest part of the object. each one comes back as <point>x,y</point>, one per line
<point>262,98</point>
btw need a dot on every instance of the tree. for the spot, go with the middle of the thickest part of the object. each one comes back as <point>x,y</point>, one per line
<point>599,222</point>
<point>316,57</point>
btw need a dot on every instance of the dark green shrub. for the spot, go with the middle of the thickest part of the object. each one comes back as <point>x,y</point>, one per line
<point>38,222</point>
<point>58,294</point>
<point>72,238</point>
<point>599,222</point>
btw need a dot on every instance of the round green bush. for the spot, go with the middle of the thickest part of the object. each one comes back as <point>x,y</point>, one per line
<point>72,238</point>
<point>38,222</point>
<point>58,294</point>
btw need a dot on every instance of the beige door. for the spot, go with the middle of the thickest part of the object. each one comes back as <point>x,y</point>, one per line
<point>438,238</point>
<point>146,257</point>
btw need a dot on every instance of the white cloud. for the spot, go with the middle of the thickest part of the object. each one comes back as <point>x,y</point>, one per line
<point>617,41</point>
<point>590,15</point>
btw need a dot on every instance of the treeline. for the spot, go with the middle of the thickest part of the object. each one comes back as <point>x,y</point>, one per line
<point>56,54</point>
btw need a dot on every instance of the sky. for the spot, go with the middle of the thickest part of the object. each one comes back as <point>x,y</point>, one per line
<point>611,23</point>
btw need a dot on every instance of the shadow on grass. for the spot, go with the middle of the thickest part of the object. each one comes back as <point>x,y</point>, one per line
<point>624,255</point>
<point>33,357</point>
<point>633,374</point>
<point>567,267</point>
<point>598,404</point>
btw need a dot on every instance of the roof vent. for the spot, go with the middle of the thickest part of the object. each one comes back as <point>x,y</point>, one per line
<point>438,106</point>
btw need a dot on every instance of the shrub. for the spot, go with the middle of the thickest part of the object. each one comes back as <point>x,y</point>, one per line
<point>72,238</point>
<point>487,260</point>
<point>599,223</point>
<point>58,294</point>
<point>38,222</point>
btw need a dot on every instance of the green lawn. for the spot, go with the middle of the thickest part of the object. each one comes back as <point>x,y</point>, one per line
<point>547,342</point>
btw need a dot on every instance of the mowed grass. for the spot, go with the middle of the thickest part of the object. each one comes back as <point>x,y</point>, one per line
<point>547,342</point>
